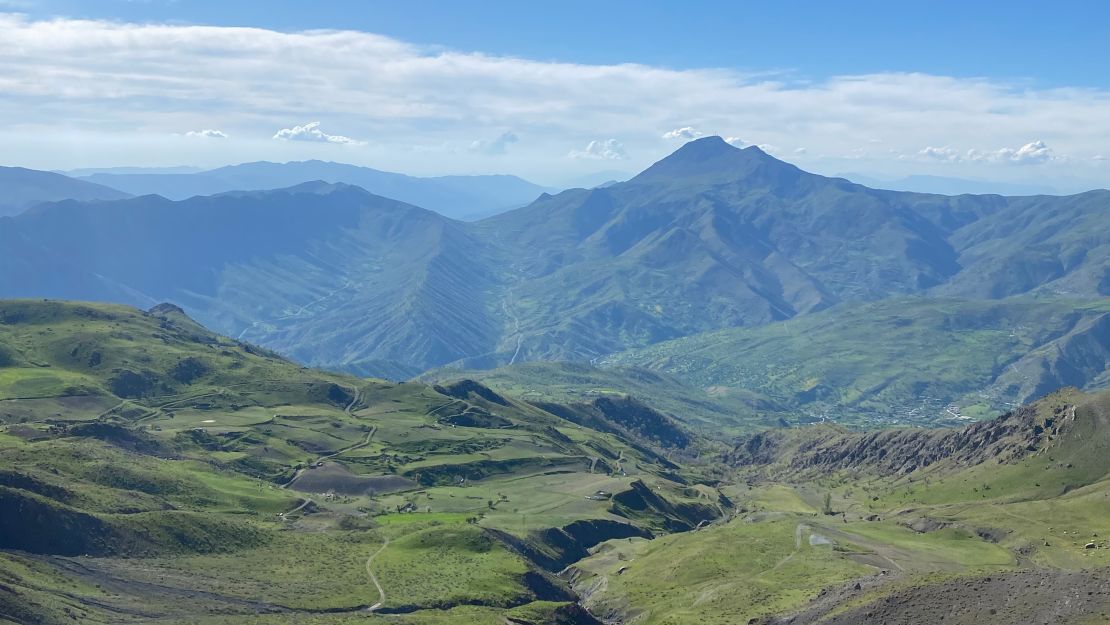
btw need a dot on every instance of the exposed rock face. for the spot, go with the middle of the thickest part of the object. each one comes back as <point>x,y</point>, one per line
<point>890,452</point>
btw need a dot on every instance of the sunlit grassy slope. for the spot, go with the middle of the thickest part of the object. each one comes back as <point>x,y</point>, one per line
<point>150,469</point>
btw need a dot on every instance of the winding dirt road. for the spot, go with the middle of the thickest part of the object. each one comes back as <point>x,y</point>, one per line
<point>374,578</point>
<point>349,410</point>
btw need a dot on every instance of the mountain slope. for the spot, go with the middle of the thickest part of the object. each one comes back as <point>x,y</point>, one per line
<point>917,360</point>
<point>992,523</point>
<point>710,237</point>
<point>460,197</point>
<point>151,470</point>
<point>22,188</point>
<point>713,236</point>
<point>397,283</point>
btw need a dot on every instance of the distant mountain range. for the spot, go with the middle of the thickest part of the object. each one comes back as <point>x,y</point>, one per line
<point>945,185</point>
<point>459,197</point>
<point>22,188</point>
<point>711,237</point>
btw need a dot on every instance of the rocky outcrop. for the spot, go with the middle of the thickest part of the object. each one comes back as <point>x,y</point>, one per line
<point>900,451</point>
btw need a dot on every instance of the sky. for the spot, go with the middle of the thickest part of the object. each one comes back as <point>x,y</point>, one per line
<point>1009,91</point>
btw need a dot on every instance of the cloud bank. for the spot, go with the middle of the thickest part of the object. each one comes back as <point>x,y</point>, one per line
<point>106,81</point>
<point>1032,153</point>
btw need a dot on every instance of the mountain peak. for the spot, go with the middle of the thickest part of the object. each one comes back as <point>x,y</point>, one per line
<point>705,147</point>
<point>715,158</point>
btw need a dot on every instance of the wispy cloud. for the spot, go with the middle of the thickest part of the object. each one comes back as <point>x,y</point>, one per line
<point>497,146</point>
<point>944,153</point>
<point>104,81</point>
<point>207,133</point>
<point>311,132</point>
<point>607,149</point>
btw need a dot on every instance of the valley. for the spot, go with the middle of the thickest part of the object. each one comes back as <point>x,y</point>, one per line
<point>153,471</point>
<point>510,313</point>
<point>711,245</point>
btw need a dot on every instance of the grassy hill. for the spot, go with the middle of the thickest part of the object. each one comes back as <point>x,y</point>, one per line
<point>153,471</point>
<point>901,361</point>
<point>147,464</point>
<point>566,382</point>
<point>1004,526</point>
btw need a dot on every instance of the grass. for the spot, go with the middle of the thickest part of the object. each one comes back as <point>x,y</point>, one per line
<point>424,565</point>
<point>296,569</point>
<point>564,382</point>
<point>900,361</point>
<point>36,383</point>
<point>185,474</point>
<point>723,575</point>
<point>187,478</point>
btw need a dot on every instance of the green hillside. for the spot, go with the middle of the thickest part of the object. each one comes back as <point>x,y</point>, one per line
<point>900,361</point>
<point>711,237</point>
<point>153,470</point>
<point>564,382</point>
<point>1008,525</point>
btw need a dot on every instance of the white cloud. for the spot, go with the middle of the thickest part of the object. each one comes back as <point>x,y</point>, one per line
<point>207,133</point>
<point>768,148</point>
<point>1098,157</point>
<point>945,153</point>
<point>498,146</point>
<point>1034,152</point>
<point>735,142</point>
<point>311,132</point>
<point>685,133</point>
<point>800,151</point>
<point>128,87</point>
<point>608,149</point>
<point>1031,153</point>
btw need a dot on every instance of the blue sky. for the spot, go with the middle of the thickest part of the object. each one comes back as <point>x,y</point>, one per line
<point>1050,43</point>
<point>991,90</point>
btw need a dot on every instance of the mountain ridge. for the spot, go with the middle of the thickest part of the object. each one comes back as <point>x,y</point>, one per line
<point>709,237</point>
<point>459,197</point>
<point>22,188</point>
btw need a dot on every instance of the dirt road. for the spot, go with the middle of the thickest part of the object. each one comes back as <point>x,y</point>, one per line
<point>374,578</point>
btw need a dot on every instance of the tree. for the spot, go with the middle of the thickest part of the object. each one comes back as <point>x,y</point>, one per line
<point>827,508</point>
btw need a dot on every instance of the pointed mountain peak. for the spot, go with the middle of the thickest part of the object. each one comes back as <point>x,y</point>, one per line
<point>713,157</point>
<point>705,147</point>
